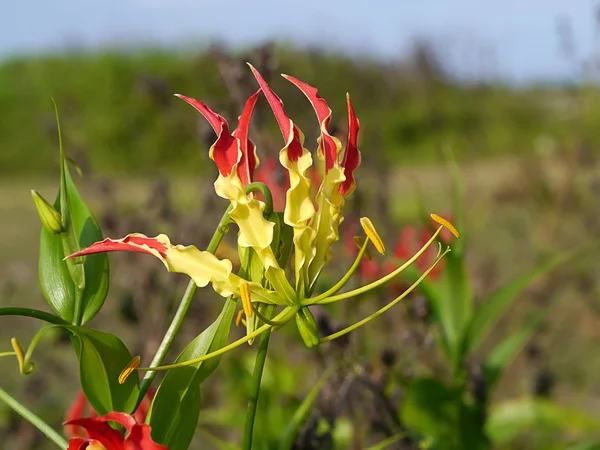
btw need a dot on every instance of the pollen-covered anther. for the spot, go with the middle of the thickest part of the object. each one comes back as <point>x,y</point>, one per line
<point>372,234</point>
<point>443,222</point>
<point>24,368</point>
<point>134,364</point>
<point>246,301</point>
<point>360,241</point>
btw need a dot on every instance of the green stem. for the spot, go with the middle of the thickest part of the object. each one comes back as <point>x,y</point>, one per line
<point>181,312</point>
<point>33,419</point>
<point>259,366</point>
<point>34,313</point>
<point>78,310</point>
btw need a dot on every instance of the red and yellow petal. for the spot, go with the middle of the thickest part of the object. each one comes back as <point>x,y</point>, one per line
<point>328,146</point>
<point>290,132</point>
<point>225,152</point>
<point>351,159</point>
<point>249,160</point>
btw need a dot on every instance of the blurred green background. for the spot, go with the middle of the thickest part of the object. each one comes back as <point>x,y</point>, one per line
<point>528,160</point>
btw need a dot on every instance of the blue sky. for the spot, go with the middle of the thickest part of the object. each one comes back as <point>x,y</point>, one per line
<point>514,39</point>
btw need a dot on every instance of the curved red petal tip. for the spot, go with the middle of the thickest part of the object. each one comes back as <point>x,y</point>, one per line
<point>225,150</point>
<point>139,244</point>
<point>351,159</point>
<point>290,132</point>
<point>323,112</point>
<point>215,120</point>
<point>248,160</point>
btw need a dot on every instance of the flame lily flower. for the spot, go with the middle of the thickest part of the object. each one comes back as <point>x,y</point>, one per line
<point>100,435</point>
<point>311,223</point>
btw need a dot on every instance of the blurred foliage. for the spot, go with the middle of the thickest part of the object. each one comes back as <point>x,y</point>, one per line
<point>118,109</point>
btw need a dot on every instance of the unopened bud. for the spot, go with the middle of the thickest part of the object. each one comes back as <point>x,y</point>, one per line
<point>50,217</point>
<point>307,326</point>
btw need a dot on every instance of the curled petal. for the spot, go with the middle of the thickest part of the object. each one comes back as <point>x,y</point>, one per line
<point>351,159</point>
<point>290,132</point>
<point>249,160</point>
<point>328,145</point>
<point>203,267</point>
<point>225,152</point>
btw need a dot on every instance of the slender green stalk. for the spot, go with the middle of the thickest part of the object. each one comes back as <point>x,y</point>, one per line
<point>181,312</point>
<point>259,366</point>
<point>380,311</point>
<point>284,316</point>
<point>34,313</point>
<point>33,419</point>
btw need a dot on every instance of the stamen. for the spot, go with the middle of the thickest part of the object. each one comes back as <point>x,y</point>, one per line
<point>135,362</point>
<point>443,222</point>
<point>246,301</point>
<point>19,354</point>
<point>380,311</point>
<point>372,234</point>
<point>283,316</point>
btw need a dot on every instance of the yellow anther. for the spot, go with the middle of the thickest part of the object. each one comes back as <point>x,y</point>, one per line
<point>239,318</point>
<point>372,234</point>
<point>135,362</point>
<point>360,241</point>
<point>246,301</point>
<point>443,222</point>
<point>19,352</point>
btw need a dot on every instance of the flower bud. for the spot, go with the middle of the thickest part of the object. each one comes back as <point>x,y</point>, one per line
<point>50,217</point>
<point>307,326</point>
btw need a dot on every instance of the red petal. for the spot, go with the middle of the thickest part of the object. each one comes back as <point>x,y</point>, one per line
<point>129,243</point>
<point>98,430</point>
<point>328,145</point>
<point>225,150</point>
<point>78,444</point>
<point>351,154</point>
<point>290,132</point>
<point>247,162</point>
<point>140,439</point>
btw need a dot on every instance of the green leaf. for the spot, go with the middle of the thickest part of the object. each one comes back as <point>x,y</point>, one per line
<point>302,411</point>
<point>102,357</point>
<point>171,424</point>
<point>96,266</point>
<point>511,419</point>
<point>491,309</point>
<point>56,283</point>
<point>454,306</point>
<point>504,353</point>
<point>74,289</point>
